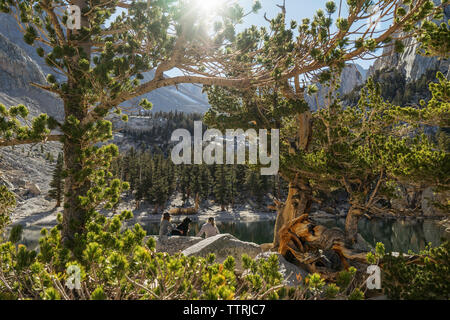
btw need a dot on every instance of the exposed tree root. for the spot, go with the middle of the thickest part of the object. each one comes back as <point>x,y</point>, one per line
<point>307,242</point>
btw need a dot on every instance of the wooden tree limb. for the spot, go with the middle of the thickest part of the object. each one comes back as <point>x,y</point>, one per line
<point>55,22</point>
<point>14,142</point>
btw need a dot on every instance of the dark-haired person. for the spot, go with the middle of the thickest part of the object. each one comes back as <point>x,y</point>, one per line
<point>209,229</point>
<point>183,228</point>
<point>166,227</point>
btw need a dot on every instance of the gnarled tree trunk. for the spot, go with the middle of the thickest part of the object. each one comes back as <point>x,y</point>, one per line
<point>308,242</point>
<point>298,201</point>
<point>351,225</point>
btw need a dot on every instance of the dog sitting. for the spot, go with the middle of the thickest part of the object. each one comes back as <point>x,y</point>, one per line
<point>183,228</point>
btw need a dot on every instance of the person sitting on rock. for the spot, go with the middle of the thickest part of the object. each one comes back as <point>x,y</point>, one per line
<point>166,227</point>
<point>209,229</point>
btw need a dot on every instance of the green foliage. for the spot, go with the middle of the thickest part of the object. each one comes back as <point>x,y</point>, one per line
<point>220,188</point>
<point>344,278</point>
<point>422,276</point>
<point>366,147</point>
<point>395,88</point>
<point>98,294</point>
<point>434,112</point>
<point>118,263</point>
<point>374,258</point>
<point>7,202</point>
<point>160,35</point>
<point>357,294</point>
<point>15,234</point>
<point>331,291</point>
<point>105,62</point>
<point>145,104</point>
<point>11,127</point>
<point>154,178</point>
<point>315,283</point>
<point>434,39</point>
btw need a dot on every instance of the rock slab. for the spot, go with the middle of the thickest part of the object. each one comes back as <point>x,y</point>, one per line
<point>175,244</point>
<point>223,245</point>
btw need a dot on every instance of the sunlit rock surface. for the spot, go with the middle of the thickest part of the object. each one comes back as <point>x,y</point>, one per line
<point>223,245</point>
<point>409,63</point>
<point>175,244</point>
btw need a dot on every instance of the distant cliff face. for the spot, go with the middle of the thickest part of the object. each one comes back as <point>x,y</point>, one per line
<point>10,30</point>
<point>17,72</point>
<point>185,97</point>
<point>409,63</point>
<point>18,69</point>
<point>352,76</point>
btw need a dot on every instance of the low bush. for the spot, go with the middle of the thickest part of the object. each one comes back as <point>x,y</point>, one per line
<point>422,276</point>
<point>111,262</point>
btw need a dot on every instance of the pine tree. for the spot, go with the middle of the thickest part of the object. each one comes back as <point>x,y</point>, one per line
<point>443,139</point>
<point>232,184</point>
<point>57,184</point>
<point>7,203</point>
<point>158,194</point>
<point>184,182</point>
<point>194,179</point>
<point>171,177</point>
<point>145,181</point>
<point>206,181</point>
<point>221,186</point>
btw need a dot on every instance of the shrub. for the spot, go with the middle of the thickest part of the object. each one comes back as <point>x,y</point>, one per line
<point>16,233</point>
<point>119,263</point>
<point>7,202</point>
<point>423,276</point>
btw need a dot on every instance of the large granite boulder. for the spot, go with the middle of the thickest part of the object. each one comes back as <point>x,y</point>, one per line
<point>223,245</point>
<point>175,244</point>
<point>291,273</point>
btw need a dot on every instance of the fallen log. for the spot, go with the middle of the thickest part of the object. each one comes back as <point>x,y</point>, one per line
<point>186,211</point>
